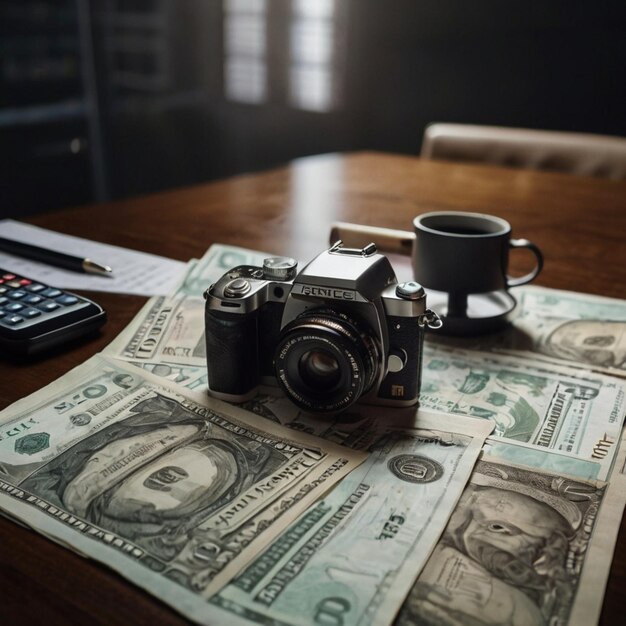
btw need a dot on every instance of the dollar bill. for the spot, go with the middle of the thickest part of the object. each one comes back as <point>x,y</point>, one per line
<point>348,427</point>
<point>172,489</point>
<point>352,557</point>
<point>512,552</point>
<point>578,327</point>
<point>548,406</point>
<point>341,428</point>
<point>166,330</point>
<point>218,259</point>
<point>188,376</point>
<point>517,453</point>
<point>588,604</point>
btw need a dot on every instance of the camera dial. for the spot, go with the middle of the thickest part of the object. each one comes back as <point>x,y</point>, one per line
<point>279,268</point>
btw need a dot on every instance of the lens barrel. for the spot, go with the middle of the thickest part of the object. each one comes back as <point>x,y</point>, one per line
<point>326,360</point>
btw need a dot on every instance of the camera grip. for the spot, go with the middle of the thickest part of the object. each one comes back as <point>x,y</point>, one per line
<point>232,354</point>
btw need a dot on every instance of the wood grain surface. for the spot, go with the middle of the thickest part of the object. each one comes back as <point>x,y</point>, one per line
<point>578,222</point>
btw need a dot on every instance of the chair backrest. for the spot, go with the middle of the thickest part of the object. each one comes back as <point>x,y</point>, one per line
<point>576,153</point>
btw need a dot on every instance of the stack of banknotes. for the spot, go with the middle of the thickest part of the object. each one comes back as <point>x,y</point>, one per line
<point>497,502</point>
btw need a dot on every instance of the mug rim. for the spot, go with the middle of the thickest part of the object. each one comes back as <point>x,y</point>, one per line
<point>418,224</point>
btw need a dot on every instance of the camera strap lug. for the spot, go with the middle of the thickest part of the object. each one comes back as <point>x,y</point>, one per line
<point>430,319</point>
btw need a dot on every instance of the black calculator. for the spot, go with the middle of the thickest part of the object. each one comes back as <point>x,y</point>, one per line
<point>35,317</point>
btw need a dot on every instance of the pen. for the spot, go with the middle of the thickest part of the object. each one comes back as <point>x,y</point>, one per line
<point>52,257</point>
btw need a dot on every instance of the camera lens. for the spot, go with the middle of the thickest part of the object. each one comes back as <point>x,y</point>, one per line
<point>319,369</point>
<point>326,360</point>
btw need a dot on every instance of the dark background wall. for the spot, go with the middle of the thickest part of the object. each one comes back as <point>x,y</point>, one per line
<point>103,99</point>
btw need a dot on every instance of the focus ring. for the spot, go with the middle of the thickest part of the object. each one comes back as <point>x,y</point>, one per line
<point>324,335</point>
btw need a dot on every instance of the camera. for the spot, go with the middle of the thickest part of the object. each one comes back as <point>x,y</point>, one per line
<point>339,331</point>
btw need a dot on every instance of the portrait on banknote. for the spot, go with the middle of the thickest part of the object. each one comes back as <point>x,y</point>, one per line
<point>173,490</point>
<point>512,552</point>
<point>155,476</point>
<point>583,328</point>
<point>596,342</point>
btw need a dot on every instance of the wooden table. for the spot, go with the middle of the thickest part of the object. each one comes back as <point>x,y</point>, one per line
<point>578,222</point>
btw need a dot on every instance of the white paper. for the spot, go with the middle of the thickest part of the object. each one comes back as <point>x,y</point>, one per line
<point>134,272</point>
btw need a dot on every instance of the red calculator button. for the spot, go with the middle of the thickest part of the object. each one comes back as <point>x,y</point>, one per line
<point>25,281</point>
<point>8,276</point>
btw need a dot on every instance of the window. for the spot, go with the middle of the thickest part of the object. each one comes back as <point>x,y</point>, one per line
<point>245,50</point>
<point>312,51</point>
<point>284,52</point>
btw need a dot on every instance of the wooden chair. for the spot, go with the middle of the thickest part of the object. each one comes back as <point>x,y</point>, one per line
<point>577,153</point>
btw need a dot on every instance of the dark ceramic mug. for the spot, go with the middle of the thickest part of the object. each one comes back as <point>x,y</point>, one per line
<point>466,253</point>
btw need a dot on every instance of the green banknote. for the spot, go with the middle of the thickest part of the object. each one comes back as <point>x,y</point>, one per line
<point>166,330</point>
<point>548,406</point>
<point>351,558</point>
<point>583,328</point>
<point>512,552</point>
<point>174,490</point>
<point>189,376</point>
<point>588,603</point>
<point>547,460</point>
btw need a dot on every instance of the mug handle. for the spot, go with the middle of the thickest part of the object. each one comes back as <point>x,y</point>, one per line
<point>522,280</point>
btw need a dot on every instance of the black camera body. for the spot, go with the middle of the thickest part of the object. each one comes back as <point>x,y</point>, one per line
<point>339,331</point>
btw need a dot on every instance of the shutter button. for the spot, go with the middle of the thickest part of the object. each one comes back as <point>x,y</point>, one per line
<point>236,288</point>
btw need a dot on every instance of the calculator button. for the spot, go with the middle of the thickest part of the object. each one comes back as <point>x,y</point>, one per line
<point>30,313</point>
<point>3,300</point>
<point>3,289</point>
<point>66,300</point>
<point>8,276</point>
<point>33,299</point>
<point>13,320</point>
<point>25,281</point>
<point>13,307</point>
<point>36,287</point>
<point>46,307</point>
<point>13,283</point>
<point>18,294</point>
<point>51,292</point>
